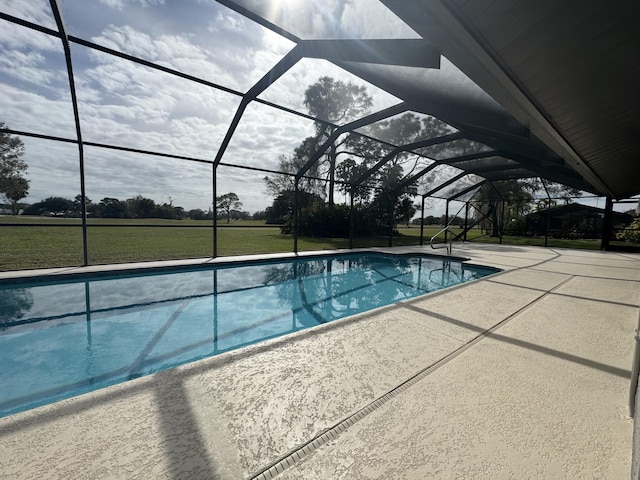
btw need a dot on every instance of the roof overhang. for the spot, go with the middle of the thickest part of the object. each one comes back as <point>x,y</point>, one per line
<point>569,74</point>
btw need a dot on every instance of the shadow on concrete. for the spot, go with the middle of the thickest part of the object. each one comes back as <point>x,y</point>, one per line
<point>185,449</point>
<point>620,372</point>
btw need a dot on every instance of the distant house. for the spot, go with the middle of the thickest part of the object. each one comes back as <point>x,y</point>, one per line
<point>572,221</point>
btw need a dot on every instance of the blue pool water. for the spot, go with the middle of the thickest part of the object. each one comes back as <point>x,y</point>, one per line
<point>58,340</point>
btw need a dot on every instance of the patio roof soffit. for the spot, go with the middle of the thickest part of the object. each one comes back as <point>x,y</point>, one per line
<point>442,24</point>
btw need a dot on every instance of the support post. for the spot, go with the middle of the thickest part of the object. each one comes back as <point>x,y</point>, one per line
<point>446,220</point>
<point>391,227</point>
<point>501,221</point>
<point>547,223</point>
<point>607,224</point>
<point>214,210</point>
<point>466,220</point>
<point>215,310</point>
<point>351,219</point>
<point>422,222</point>
<point>295,217</point>
<point>57,13</point>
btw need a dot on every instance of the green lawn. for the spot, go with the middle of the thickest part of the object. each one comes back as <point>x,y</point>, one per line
<point>55,246</point>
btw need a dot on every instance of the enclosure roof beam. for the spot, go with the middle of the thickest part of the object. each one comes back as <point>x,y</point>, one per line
<point>405,148</point>
<point>446,161</point>
<point>415,52</point>
<point>57,13</point>
<point>348,127</point>
<point>467,157</point>
<point>245,12</point>
<point>497,168</point>
<point>433,141</point>
<point>535,163</point>
<point>445,184</point>
<point>468,189</point>
<point>463,118</point>
<point>554,173</point>
<point>279,69</point>
<point>28,24</point>
<point>288,61</point>
<point>509,143</point>
<point>496,190</point>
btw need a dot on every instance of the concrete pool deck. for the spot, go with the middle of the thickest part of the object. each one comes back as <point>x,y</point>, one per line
<point>524,374</point>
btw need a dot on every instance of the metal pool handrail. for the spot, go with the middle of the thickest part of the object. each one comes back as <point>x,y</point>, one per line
<point>448,247</point>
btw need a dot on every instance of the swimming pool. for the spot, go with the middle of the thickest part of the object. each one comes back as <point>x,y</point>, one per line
<point>80,334</point>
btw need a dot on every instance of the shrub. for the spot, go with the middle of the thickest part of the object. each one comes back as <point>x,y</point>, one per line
<point>630,233</point>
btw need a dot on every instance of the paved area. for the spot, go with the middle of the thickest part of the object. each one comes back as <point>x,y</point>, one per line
<point>524,374</point>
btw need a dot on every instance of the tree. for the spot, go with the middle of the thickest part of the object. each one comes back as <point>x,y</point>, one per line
<point>14,303</point>
<point>198,214</point>
<point>514,198</point>
<point>141,207</point>
<point>51,206</point>
<point>77,205</point>
<point>497,197</point>
<point>630,233</point>
<point>385,191</point>
<point>259,215</point>
<point>227,203</point>
<point>281,211</point>
<point>16,190</point>
<point>392,203</point>
<point>13,185</point>
<point>168,212</point>
<point>57,205</point>
<point>337,102</point>
<point>291,164</point>
<point>112,208</point>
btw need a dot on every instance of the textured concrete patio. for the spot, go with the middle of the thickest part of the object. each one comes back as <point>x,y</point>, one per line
<point>524,374</point>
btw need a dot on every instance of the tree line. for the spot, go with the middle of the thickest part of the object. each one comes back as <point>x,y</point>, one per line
<point>382,197</point>
<point>14,186</point>
<point>383,187</point>
<point>136,207</point>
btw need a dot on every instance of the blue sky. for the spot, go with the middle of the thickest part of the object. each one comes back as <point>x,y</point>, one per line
<point>126,104</point>
<point>130,105</point>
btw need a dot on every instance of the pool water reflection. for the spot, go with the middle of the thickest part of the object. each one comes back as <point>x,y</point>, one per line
<point>59,340</point>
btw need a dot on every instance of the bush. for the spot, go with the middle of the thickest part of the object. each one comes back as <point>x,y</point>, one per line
<point>326,221</point>
<point>333,222</point>
<point>630,233</point>
<point>517,227</point>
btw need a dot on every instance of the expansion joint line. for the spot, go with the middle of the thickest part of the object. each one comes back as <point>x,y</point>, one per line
<point>331,433</point>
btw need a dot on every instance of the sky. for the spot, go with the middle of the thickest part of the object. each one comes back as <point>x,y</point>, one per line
<point>126,104</point>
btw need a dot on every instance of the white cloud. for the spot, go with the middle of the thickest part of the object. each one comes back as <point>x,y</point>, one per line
<point>125,175</point>
<point>236,68</point>
<point>53,169</point>
<point>29,111</point>
<point>117,4</point>
<point>121,4</point>
<point>35,11</point>
<point>264,134</point>
<point>28,67</point>
<point>126,104</point>
<point>13,36</point>
<point>137,107</point>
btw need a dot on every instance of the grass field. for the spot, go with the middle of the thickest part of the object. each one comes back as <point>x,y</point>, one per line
<point>50,245</point>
